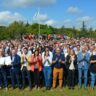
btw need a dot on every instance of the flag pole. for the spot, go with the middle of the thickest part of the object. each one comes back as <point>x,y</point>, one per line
<point>39,21</point>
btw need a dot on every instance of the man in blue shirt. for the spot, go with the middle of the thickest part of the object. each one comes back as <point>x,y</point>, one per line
<point>83,59</point>
<point>58,61</point>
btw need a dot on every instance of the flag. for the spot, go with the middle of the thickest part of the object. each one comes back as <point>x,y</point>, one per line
<point>36,17</point>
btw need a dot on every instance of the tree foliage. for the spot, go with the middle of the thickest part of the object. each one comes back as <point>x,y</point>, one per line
<point>17,29</point>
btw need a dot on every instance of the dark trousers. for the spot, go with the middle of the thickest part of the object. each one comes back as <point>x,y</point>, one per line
<point>3,77</point>
<point>71,78</point>
<point>37,78</point>
<point>25,73</point>
<point>15,76</point>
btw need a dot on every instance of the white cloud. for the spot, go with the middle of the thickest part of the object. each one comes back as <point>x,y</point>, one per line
<point>41,18</point>
<point>77,22</point>
<point>50,22</point>
<point>27,3</point>
<point>7,17</point>
<point>85,18</point>
<point>67,21</point>
<point>73,10</point>
<point>89,21</point>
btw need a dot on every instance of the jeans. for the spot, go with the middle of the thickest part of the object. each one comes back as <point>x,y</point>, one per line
<point>24,73</point>
<point>15,74</point>
<point>93,79</point>
<point>80,73</point>
<point>47,75</point>
<point>3,75</point>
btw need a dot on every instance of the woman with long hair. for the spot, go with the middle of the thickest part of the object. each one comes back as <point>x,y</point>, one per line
<point>71,61</point>
<point>36,67</point>
<point>47,61</point>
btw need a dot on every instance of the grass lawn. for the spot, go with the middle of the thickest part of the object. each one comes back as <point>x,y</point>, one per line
<point>43,92</point>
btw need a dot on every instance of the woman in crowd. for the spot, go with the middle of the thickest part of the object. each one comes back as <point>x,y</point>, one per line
<point>71,62</point>
<point>47,61</point>
<point>36,67</point>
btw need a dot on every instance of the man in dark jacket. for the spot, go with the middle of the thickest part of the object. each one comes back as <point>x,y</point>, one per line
<point>15,69</point>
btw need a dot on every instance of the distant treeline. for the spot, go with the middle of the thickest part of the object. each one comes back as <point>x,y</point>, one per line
<point>17,29</point>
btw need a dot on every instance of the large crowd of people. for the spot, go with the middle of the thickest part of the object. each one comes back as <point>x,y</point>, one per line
<point>48,62</point>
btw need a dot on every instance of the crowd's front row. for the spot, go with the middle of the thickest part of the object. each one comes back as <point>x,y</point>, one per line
<point>51,64</point>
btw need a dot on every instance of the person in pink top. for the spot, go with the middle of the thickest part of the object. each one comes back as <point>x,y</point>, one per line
<point>36,67</point>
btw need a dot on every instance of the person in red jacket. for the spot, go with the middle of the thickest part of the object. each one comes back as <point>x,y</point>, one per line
<point>36,67</point>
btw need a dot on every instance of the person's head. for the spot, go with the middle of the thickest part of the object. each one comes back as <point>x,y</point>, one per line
<point>72,52</point>
<point>25,50</point>
<point>78,47</point>
<point>68,50</point>
<point>84,49</point>
<point>14,51</point>
<point>46,53</point>
<point>58,50</point>
<point>46,48</point>
<point>36,53</point>
<point>16,48</point>
<point>92,48</point>
<point>40,49</point>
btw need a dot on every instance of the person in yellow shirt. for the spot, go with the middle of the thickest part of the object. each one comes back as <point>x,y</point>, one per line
<point>25,68</point>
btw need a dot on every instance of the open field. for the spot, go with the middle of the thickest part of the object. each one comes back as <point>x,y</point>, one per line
<point>43,92</point>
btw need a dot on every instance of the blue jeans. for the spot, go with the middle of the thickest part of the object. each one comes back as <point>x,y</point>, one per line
<point>47,75</point>
<point>80,72</point>
<point>3,75</point>
<point>15,74</point>
<point>93,79</point>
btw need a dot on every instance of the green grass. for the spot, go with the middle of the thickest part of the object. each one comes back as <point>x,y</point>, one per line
<point>43,92</point>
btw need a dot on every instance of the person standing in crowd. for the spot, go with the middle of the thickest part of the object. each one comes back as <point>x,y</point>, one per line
<point>66,52</point>
<point>40,49</point>
<point>91,49</point>
<point>58,61</point>
<point>71,62</point>
<point>93,68</point>
<point>36,67</point>
<point>47,61</point>
<point>83,59</point>
<point>77,49</point>
<point>47,50</point>
<point>15,69</point>
<point>25,68</point>
<point>3,71</point>
<point>19,47</point>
